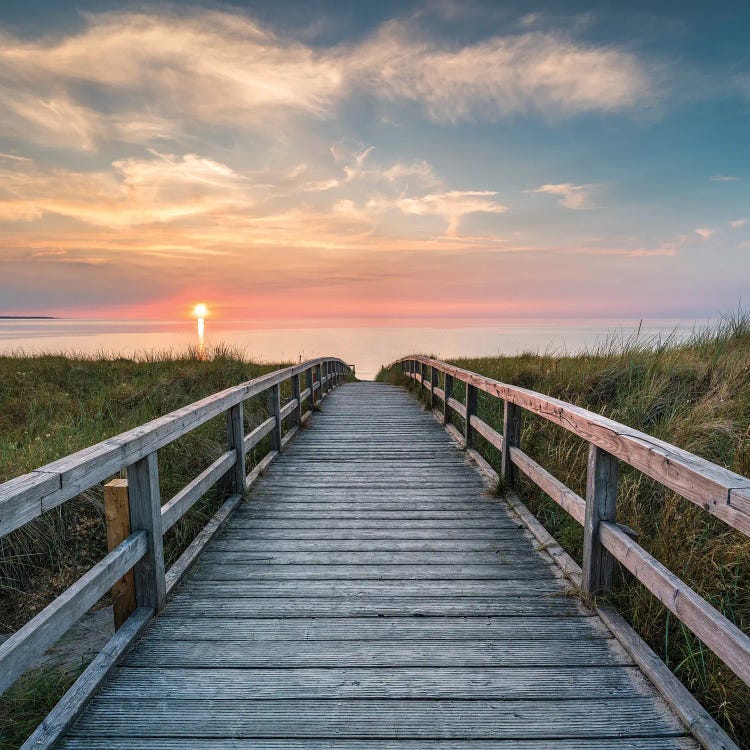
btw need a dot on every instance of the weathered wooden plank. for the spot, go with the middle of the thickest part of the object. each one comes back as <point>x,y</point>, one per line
<point>341,654</point>
<point>373,606</point>
<point>583,628</point>
<point>256,435</point>
<point>145,513</point>
<point>467,683</point>
<point>723,637</point>
<point>26,497</point>
<point>572,503</point>
<point>226,571</point>
<point>236,444</point>
<point>383,524</point>
<point>374,719</point>
<point>698,480</point>
<point>370,545</point>
<point>188,557</point>
<point>20,651</point>
<point>70,706</point>
<point>147,743</point>
<point>410,589</point>
<point>172,511</point>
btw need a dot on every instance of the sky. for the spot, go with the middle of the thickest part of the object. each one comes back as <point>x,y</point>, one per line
<point>381,159</point>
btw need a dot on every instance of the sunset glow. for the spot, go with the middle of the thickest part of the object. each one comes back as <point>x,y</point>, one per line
<point>200,311</point>
<point>471,160</point>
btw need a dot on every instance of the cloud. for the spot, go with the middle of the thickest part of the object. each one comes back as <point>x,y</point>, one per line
<point>502,76</point>
<point>738,223</point>
<point>724,178</point>
<point>452,206</point>
<point>705,232</point>
<point>166,73</point>
<point>575,197</point>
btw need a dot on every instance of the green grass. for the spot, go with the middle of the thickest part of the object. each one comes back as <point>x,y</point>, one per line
<point>51,406</point>
<point>695,395</point>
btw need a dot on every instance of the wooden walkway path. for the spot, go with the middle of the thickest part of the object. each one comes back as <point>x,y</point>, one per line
<point>372,594</point>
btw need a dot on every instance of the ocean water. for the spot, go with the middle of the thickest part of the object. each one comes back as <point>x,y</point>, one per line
<point>367,344</point>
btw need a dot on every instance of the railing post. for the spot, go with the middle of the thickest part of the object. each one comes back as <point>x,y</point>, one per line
<point>274,410</point>
<point>296,390</point>
<point>471,409</point>
<point>117,517</point>
<point>511,439</point>
<point>601,505</point>
<point>448,394</point>
<point>309,379</point>
<point>433,385</point>
<point>236,443</point>
<point>145,513</point>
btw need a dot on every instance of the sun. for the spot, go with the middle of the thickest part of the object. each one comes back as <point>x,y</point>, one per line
<point>200,311</point>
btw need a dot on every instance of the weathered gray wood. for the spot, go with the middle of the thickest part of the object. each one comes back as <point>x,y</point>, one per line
<point>190,555</point>
<point>274,408</point>
<point>368,590</point>
<point>145,513</point>
<point>601,505</point>
<point>723,637</point>
<point>381,654</point>
<point>27,497</point>
<point>21,650</point>
<point>470,411</point>
<point>176,508</point>
<point>447,396</point>
<point>69,707</point>
<point>289,408</point>
<point>488,433</point>
<point>692,714</point>
<point>696,479</point>
<point>572,503</point>
<point>257,434</point>
<point>511,439</point>
<point>297,399</point>
<point>612,743</point>
<point>374,719</point>
<point>236,444</point>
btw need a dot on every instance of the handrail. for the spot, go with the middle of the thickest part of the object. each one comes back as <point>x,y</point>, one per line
<point>717,490</point>
<point>25,498</point>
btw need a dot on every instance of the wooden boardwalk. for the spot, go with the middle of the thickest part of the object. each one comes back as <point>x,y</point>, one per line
<point>372,594</point>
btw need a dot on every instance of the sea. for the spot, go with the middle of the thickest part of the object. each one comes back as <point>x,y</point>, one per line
<point>366,343</point>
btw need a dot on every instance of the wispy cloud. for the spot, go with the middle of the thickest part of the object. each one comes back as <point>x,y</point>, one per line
<point>452,206</point>
<point>705,232</point>
<point>175,70</point>
<point>738,223</point>
<point>724,178</point>
<point>575,197</point>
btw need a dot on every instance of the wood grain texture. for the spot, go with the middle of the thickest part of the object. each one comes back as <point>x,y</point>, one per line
<point>369,590</point>
<point>117,520</point>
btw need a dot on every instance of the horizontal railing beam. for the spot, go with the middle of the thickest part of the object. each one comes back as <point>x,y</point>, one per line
<point>288,408</point>
<point>721,492</point>
<point>26,645</point>
<point>723,637</point>
<point>28,496</point>
<point>172,511</point>
<point>255,436</point>
<point>491,435</point>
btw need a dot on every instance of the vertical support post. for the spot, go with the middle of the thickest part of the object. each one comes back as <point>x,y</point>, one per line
<point>601,505</point>
<point>236,443</point>
<point>511,439</point>
<point>117,516</point>
<point>309,379</point>
<point>471,409</point>
<point>433,385</point>
<point>448,395</point>
<point>296,390</point>
<point>274,410</point>
<point>145,513</point>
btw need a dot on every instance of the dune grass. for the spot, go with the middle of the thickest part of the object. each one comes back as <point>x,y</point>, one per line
<point>53,405</point>
<point>694,394</point>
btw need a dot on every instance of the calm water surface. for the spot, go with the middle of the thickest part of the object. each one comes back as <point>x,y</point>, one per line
<point>367,344</point>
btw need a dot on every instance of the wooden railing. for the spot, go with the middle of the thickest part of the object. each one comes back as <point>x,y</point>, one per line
<point>136,452</point>
<point>719,491</point>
